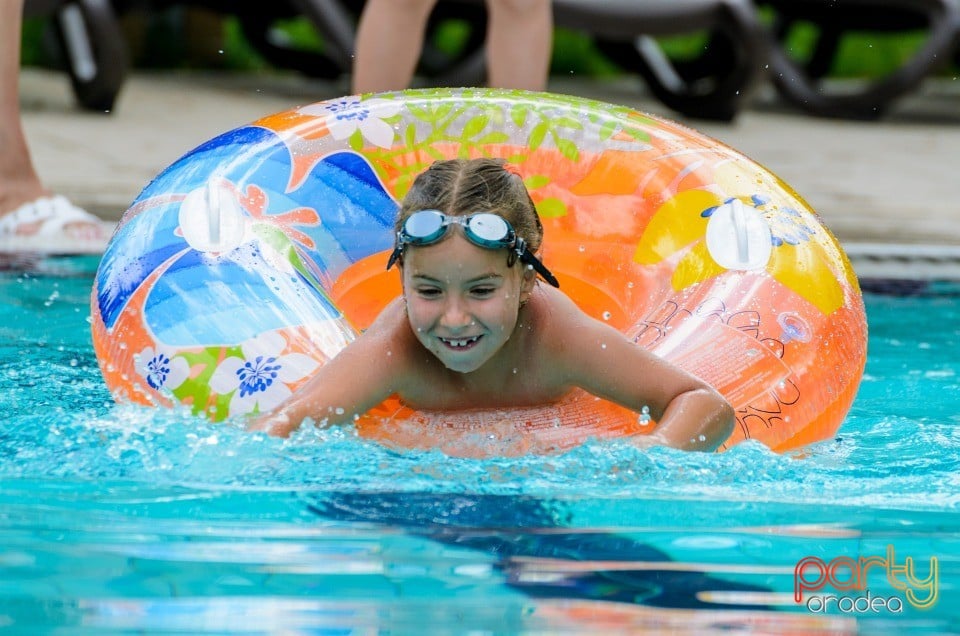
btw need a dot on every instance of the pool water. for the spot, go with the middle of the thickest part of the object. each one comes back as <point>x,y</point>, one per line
<point>119,519</point>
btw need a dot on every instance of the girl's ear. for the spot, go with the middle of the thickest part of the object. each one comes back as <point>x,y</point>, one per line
<point>528,283</point>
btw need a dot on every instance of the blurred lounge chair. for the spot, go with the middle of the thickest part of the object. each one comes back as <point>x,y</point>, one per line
<point>92,46</point>
<point>804,83</point>
<point>713,85</point>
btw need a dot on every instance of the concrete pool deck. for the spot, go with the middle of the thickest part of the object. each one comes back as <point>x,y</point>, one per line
<point>889,190</point>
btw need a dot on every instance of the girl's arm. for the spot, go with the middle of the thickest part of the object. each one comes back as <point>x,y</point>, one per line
<point>358,378</point>
<point>690,414</point>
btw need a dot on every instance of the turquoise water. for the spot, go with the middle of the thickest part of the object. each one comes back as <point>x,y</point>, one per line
<point>117,519</point>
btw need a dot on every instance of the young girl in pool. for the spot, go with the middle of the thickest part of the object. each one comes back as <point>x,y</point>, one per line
<point>475,330</point>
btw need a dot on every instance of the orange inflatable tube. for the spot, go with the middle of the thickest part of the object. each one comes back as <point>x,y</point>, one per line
<point>257,256</point>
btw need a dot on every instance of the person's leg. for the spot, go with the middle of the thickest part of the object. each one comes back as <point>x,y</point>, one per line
<point>519,43</point>
<point>19,182</point>
<point>389,41</point>
<point>32,219</point>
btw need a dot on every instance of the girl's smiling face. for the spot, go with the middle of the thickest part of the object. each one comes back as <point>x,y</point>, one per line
<point>462,300</point>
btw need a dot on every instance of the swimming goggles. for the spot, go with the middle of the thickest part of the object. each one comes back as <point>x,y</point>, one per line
<point>483,229</point>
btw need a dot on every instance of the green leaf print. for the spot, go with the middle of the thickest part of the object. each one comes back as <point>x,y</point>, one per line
<point>537,135</point>
<point>494,138</point>
<point>475,126</point>
<point>607,130</point>
<point>196,391</point>
<point>518,114</point>
<point>568,149</point>
<point>535,181</point>
<point>567,122</point>
<point>551,208</point>
<point>356,140</point>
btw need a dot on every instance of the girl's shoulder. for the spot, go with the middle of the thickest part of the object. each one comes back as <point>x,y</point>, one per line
<point>390,347</point>
<point>552,310</point>
<point>567,335</point>
<point>556,322</point>
<point>391,328</point>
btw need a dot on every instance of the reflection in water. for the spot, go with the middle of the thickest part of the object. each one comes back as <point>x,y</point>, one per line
<point>537,555</point>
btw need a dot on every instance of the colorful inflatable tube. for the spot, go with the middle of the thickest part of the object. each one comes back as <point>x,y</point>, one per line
<point>260,254</point>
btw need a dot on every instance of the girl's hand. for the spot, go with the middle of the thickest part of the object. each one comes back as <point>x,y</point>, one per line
<point>273,423</point>
<point>647,441</point>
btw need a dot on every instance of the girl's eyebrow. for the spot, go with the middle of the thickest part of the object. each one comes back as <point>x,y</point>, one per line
<point>488,279</point>
<point>426,279</point>
<point>490,276</point>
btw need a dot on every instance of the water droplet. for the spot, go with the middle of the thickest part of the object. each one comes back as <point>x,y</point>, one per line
<point>515,370</point>
<point>644,419</point>
<point>339,411</point>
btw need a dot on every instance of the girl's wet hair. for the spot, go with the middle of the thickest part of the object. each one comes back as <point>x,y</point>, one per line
<point>460,187</point>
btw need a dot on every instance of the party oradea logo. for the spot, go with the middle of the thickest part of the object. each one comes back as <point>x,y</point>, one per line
<point>843,584</point>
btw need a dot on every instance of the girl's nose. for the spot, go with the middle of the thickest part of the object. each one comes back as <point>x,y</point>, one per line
<point>455,315</point>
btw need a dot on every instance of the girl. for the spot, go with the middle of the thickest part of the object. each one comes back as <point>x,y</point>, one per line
<point>474,331</point>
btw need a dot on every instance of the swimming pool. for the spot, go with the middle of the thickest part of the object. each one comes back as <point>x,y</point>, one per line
<point>121,519</point>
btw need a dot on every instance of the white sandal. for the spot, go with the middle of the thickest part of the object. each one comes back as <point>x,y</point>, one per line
<point>53,214</point>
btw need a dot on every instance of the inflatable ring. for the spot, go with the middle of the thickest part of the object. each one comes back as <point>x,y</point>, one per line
<point>258,255</point>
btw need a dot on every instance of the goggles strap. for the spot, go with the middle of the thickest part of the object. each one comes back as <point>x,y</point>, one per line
<point>528,258</point>
<point>397,251</point>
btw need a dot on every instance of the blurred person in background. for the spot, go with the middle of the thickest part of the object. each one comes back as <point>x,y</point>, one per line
<point>32,218</point>
<point>390,37</point>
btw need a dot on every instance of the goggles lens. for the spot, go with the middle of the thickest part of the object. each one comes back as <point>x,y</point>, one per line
<point>422,227</point>
<point>490,228</point>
